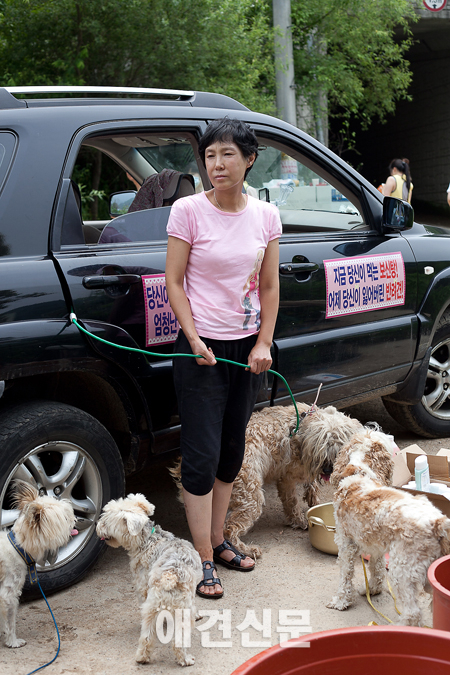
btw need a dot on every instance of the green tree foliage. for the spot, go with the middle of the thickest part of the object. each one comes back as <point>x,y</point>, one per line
<point>353,51</point>
<point>349,54</point>
<point>214,45</point>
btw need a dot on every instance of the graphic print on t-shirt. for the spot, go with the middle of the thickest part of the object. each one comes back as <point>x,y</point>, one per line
<point>251,289</point>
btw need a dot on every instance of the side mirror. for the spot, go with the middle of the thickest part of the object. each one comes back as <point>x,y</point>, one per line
<point>397,214</point>
<point>120,202</point>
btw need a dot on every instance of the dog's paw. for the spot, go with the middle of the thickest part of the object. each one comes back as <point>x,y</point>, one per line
<point>186,660</point>
<point>375,590</point>
<point>254,552</point>
<point>251,550</point>
<point>17,642</point>
<point>142,654</point>
<point>299,523</point>
<point>339,603</point>
<point>413,619</point>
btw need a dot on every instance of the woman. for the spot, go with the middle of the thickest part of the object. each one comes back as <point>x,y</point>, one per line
<point>399,182</point>
<point>222,282</point>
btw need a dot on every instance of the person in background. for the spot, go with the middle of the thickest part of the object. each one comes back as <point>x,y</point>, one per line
<point>448,195</point>
<point>399,183</point>
<point>222,283</point>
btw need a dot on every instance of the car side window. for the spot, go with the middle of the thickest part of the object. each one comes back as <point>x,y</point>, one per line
<point>308,201</point>
<point>139,171</point>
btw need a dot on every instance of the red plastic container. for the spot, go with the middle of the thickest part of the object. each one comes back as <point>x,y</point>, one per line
<point>367,650</point>
<point>439,578</point>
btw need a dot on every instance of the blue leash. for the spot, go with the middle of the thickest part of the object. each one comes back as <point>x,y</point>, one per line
<point>57,633</point>
<point>32,572</point>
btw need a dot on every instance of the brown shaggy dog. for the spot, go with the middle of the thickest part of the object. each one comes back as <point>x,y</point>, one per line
<point>373,518</point>
<point>273,455</point>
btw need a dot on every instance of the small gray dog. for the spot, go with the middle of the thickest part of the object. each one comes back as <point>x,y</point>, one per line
<point>165,570</point>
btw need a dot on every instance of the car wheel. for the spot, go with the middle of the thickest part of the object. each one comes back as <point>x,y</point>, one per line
<point>430,417</point>
<point>65,453</point>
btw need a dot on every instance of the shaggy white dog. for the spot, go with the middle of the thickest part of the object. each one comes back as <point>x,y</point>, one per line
<point>372,517</point>
<point>293,461</point>
<point>44,524</point>
<point>165,569</point>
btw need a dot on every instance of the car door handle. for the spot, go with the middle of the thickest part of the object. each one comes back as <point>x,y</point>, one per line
<point>99,281</point>
<point>298,268</point>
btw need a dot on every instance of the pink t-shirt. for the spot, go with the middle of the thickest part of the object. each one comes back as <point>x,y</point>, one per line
<point>222,273</point>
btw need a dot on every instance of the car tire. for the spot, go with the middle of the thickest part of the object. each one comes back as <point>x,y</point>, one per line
<point>430,417</point>
<point>64,452</point>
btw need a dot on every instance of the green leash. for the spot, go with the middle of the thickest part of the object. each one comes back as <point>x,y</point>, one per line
<point>74,320</point>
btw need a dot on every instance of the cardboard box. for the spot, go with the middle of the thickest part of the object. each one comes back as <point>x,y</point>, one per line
<point>439,473</point>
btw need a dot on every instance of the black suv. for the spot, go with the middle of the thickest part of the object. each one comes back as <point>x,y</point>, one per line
<point>364,306</point>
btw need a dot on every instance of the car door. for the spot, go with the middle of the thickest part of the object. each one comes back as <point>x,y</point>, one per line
<point>116,287</point>
<point>347,291</point>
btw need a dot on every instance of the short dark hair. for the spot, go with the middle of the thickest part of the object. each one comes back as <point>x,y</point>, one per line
<point>232,130</point>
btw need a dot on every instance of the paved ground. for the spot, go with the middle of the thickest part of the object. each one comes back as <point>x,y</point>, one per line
<point>99,619</point>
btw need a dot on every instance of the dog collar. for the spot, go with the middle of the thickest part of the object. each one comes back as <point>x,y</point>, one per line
<point>28,559</point>
<point>313,408</point>
<point>308,413</point>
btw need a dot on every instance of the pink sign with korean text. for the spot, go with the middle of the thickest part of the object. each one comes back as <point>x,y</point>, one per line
<point>363,284</point>
<point>161,325</point>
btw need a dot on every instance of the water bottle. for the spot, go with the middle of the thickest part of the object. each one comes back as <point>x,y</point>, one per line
<point>422,472</point>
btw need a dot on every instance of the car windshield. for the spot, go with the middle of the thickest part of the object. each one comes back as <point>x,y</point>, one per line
<point>171,153</point>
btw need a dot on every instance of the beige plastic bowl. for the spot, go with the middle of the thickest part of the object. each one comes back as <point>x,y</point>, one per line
<point>321,528</point>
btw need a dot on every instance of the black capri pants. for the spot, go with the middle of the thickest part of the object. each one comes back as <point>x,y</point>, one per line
<point>215,404</point>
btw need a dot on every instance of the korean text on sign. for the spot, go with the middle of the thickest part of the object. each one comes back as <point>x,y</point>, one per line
<point>363,284</point>
<point>161,325</point>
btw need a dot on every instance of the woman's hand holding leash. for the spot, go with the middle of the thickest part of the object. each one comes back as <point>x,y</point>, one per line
<point>259,359</point>
<point>207,357</point>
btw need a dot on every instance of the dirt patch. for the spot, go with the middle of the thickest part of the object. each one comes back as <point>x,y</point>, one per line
<point>99,619</point>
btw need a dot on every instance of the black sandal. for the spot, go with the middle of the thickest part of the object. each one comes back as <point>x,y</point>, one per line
<point>234,563</point>
<point>209,580</point>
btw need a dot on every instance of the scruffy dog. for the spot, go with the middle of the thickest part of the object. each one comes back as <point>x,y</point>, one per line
<point>165,570</point>
<point>272,455</point>
<point>44,524</point>
<point>373,518</point>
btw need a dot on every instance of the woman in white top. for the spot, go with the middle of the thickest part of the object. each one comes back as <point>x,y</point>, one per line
<point>222,282</point>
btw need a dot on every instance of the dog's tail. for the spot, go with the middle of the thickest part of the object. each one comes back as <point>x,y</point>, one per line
<point>175,472</point>
<point>170,586</point>
<point>169,581</point>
